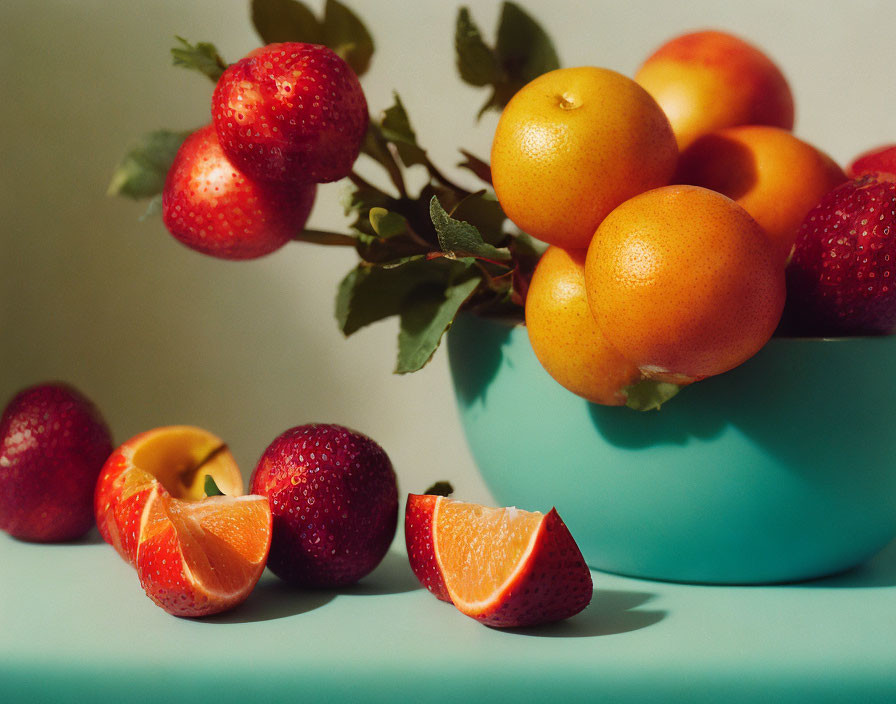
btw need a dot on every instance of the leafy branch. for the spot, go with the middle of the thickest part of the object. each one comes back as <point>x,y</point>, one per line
<point>423,256</point>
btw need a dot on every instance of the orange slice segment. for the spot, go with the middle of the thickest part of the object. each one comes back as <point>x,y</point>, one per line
<point>198,558</point>
<point>508,567</point>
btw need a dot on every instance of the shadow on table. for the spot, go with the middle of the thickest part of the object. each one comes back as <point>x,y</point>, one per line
<point>611,611</point>
<point>273,598</point>
<point>92,537</point>
<point>879,571</point>
<point>392,576</point>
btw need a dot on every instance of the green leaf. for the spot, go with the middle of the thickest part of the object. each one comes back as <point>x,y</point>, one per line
<point>461,238</point>
<point>285,21</point>
<point>649,394</point>
<point>396,127</point>
<point>370,293</point>
<point>524,49</point>
<point>346,34</point>
<point>425,319</point>
<point>211,488</point>
<point>482,210</point>
<point>386,223</point>
<point>440,488</point>
<point>292,21</point>
<point>476,62</point>
<point>202,57</point>
<point>142,172</point>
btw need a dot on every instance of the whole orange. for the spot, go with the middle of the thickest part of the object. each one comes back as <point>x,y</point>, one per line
<point>573,144</point>
<point>684,283</point>
<point>564,335</point>
<point>708,80</point>
<point>776,177</point>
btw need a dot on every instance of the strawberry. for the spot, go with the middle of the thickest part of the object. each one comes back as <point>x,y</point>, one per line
<point>334,499</point>
<point>53,442</point>
<point>841,279</point>
<point>291,112</point>
<point>211,206</point>
<point>879,160</point>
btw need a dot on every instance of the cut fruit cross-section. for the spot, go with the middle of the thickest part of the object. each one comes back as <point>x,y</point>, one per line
<point>503,567</point>
<point>198,558</point>
<point>178,457</point>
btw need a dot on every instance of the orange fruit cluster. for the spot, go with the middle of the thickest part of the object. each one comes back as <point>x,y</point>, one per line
<point>671,202</point>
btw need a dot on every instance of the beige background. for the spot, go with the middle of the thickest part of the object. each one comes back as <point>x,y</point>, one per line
<point>157,334</point>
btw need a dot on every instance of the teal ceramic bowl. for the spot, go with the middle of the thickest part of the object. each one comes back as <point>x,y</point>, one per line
<point>783,469</point>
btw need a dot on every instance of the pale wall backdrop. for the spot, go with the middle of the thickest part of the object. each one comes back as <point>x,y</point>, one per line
<point>157,334</point>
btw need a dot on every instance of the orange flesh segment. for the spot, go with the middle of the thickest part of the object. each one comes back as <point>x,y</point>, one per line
<point>480,549</point>
<point>222,539</point>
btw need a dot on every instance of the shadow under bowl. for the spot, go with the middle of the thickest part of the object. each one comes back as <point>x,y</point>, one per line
<point>781,470</point>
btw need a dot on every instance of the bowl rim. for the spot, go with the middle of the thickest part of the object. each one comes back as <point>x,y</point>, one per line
<point>514,322</point>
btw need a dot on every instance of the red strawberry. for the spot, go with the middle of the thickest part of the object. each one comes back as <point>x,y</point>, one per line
<point>53,443</point>
<point>291,112</point>
<point>212,207</point>
<point>879,160</point>
<point>842,277</point>
<point>334,499</point>
<point>418,539</point>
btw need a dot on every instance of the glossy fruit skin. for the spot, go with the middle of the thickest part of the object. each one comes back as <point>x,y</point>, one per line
<point>418,541</point>
<point>334,498</point>
<point>776,177</point>
<point>572,145</point>
<point>710,80</point>
<point>878,160</point>
<point>212,207</point>
<point>292,113</point>
<point>119,500</point>
<point>53,442</point>
<point>565,336</point>
<point>684,283</point>
<point>840,280</point>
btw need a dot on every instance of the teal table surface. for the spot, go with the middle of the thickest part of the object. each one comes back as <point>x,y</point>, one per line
<point>75,626</point>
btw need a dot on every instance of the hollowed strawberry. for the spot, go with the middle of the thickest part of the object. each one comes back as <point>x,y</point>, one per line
<point>503,567</point>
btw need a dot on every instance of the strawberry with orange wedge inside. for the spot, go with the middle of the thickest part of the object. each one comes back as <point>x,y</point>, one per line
<point>170,501</point>
<point>504,567</point>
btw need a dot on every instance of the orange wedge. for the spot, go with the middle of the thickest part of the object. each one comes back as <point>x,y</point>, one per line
<point>503,567</point>
<point>195,555</point>
<point>198,558</point>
